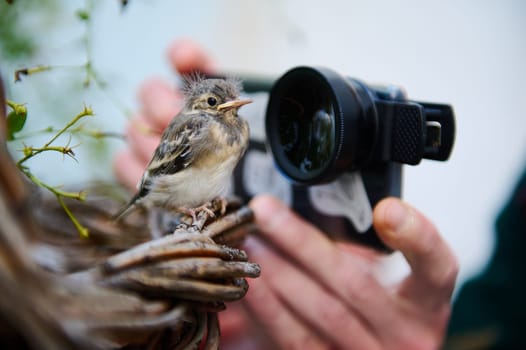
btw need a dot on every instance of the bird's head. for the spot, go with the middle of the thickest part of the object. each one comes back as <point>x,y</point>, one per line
<point>214,96</point>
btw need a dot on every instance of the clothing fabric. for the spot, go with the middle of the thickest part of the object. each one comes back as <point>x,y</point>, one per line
<point>490,310</point>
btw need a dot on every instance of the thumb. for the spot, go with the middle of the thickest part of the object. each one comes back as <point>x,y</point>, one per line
<point>186,56</point>
<point>433,264</point>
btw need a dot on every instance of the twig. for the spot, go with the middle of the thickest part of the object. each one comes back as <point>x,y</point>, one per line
<point>81,196</point>
<point>87,111</point>
<point>28,71</point>
<point>61,149</point>
<point>83,231</point>
<point>79,130</point>
<point>91,73</point>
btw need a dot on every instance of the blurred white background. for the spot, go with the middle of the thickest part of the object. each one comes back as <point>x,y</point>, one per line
<point>469,53</point>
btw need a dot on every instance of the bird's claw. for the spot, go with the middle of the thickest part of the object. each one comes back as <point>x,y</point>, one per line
<point>201,214</point>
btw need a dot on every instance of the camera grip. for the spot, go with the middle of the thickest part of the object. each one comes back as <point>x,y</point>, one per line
<point>414,131</point>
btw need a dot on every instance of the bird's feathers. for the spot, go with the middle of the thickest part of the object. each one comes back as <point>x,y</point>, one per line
<point>198,150</point>
<point>196,85</point>
<point>178,146</point>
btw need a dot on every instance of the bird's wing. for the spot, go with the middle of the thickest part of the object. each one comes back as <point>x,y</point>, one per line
<point>176,149</point>
<point>173,154</point>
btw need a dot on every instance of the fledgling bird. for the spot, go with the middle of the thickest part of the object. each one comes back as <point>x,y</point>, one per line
<point>198,150</point>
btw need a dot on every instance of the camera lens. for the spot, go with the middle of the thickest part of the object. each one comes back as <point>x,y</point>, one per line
<point>315,122</point>
<point>305,125</point>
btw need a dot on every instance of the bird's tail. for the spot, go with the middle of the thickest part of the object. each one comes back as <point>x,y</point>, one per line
<point>127,209</point>
<point>123,212</point>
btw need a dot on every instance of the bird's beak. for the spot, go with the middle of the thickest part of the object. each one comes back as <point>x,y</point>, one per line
<point>233,104</point>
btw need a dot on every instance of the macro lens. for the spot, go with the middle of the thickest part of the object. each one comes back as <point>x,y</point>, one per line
<point>305,126</point>
<point>313,119</point>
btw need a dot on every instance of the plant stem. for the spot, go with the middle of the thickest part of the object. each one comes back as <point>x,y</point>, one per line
<point>28,71</point>
<point>56,191</point>
<point>93,133</point>
<point>61,149</point>
<point>83,231</point>
<point>85,112</point>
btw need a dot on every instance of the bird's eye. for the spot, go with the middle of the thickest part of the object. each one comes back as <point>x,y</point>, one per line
<point>212,101</point>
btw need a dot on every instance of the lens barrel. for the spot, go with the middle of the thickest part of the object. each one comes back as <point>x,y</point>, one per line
<point>320,124</point>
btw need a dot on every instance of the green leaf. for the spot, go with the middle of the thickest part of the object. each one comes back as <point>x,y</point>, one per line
<point>83,15</point>
<point>16,120</point>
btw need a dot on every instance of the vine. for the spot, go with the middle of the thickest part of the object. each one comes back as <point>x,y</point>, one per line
<point>17,117</point>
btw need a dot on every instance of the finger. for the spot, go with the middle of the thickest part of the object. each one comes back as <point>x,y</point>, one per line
<point>142,140</point>
<point>187,56</point>
<point>241,330</point>
<point>233,320</point>
<point>344,274</point>
<point>283,327</point>
<point>128,169</point>
<point>366,253</point>
<point>433,265</point>
<point>320,310</point>
<point>160,103</point>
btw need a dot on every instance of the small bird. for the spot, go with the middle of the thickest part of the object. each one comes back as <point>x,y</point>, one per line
<point>198,150</point>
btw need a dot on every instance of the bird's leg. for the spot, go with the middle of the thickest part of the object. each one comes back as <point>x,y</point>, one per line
<point>208,209</point>
<point>193,212</point>
<point>223,202</point>
<point>155,223</point>
<point>188,212</point>
<point>218,203</point>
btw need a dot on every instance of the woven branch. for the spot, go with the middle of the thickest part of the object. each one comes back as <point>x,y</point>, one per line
<point>119,288</point>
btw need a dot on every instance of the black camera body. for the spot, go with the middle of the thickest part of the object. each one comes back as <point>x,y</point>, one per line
<point>342,144</point>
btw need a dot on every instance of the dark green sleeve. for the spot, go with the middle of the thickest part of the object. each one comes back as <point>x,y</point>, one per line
<point>490,309</point>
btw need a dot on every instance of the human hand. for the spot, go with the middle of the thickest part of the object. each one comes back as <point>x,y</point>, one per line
<point>314,293</point>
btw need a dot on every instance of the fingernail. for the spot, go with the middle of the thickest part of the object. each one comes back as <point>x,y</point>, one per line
<point>399,218</point>
<point>252,245</point>
<point>269,212</point>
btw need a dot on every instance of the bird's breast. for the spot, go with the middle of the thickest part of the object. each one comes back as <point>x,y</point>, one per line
<point>195,185</point>
<point>225,141</point>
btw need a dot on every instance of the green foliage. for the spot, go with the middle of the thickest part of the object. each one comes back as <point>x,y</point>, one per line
<point>22,38</point>
<point>15,43</point>
<point>16,119</point>
<point>18,42</point>
<point>30,152</point>
<point>83,15</point>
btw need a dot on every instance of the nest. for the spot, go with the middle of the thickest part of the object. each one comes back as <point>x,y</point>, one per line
<point>118,288</point>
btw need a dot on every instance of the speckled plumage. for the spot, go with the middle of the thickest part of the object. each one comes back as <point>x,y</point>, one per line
<point>198,150</point>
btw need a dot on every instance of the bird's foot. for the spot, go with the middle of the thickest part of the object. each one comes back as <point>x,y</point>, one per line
<point>208,210</point>
<point>205,208</point>
<point>223,202</point>
<point>195,212</point>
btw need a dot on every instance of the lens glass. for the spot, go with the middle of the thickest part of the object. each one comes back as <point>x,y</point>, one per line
<point>306,126</point>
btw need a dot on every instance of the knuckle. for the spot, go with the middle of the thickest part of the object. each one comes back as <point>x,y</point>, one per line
<point>305,342</point>
<point>333,313</point>
<point>420,343</point>
<point>429,238</point>
<point>416,339</point>
<point>357,280</point>
<point>446,278</point>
